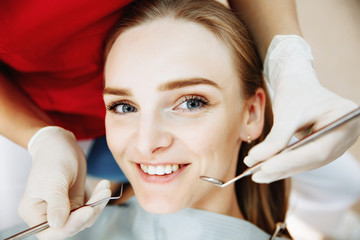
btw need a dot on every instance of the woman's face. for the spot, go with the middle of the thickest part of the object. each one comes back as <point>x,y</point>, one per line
<point>174,113</point>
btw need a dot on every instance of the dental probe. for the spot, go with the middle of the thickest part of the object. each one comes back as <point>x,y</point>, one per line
<point>45,225</point>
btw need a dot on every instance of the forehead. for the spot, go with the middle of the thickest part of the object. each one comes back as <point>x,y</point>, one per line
<point>168,49</point>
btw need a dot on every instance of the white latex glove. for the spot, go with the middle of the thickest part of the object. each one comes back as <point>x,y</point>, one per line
<point>81,218</point>
<point>57,178</point>
<point>299,102</point>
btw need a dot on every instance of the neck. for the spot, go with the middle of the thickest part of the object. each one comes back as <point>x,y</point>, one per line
<point>222,201</point>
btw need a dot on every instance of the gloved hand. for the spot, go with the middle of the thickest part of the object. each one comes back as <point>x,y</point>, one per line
<point>56,182</point>
<point>81,218</point>
<point>299,102</point>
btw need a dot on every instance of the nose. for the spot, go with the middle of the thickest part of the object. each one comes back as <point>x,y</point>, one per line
<point>152,136</point>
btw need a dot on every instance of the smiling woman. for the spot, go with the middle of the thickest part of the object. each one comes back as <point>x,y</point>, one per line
<point>184,95</point>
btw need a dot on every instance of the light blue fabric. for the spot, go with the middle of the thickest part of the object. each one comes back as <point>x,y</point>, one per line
<point>131,222</point>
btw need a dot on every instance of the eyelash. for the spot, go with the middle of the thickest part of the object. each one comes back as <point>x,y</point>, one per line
<point>113,105</point>
<point>204,102</point>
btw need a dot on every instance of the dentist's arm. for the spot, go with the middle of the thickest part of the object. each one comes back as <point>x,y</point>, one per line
<point>57,176</point>
<point>20,118</point>
<point>299,99</point>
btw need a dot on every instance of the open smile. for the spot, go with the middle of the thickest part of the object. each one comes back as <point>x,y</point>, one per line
<point>160,169</point>
<point>160,173</point>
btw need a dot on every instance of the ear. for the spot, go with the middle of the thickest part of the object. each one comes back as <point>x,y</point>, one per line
<point>253,116</point>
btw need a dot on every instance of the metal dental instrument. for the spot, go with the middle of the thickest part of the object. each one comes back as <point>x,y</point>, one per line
<point>353,114</point>
<point>45,225</point>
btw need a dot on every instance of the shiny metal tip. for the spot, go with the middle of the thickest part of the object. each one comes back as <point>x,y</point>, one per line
<point>212,180</point>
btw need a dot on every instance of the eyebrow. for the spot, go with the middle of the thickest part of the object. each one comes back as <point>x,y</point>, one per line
<point>180,83</point>
<point>171,85</point>
<point>117,91</point>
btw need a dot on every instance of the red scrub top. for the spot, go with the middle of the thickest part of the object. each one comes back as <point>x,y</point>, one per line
<point>53,50</point>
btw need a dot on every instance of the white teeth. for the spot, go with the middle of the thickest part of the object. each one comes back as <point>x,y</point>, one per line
<point>151,170</point>
<point>144,167</point>
<point>175,167</point>
<point>168,169</point>
<point>159,169</point>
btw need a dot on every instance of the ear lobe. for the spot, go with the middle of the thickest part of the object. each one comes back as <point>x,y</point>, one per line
<point>254,116</point>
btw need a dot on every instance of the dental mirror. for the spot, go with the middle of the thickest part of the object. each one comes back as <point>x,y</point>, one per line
<point>306,139</point>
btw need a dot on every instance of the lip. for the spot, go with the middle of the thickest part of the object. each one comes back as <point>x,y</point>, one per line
<point>161,179</point>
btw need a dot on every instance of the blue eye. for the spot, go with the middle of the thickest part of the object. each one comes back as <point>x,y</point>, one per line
<point>122,108</point>
<point>125,108</point>
<point>193,103</point>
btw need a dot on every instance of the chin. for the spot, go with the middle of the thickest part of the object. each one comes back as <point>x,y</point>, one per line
<point>160,205</point>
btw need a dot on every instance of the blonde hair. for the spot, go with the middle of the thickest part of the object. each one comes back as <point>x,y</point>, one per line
<point>262,204</point>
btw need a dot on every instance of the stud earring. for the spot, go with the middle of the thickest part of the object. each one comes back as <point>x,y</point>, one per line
<point>249,140</point>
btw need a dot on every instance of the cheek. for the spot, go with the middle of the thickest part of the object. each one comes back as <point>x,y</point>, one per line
<point>117,138</point>
<point>215,136</point>
<point>219,148</point>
